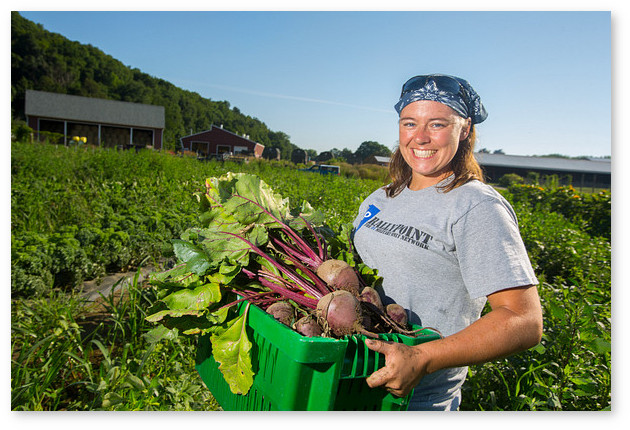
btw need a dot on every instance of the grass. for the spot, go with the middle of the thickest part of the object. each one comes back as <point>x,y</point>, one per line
<point>67,354</point>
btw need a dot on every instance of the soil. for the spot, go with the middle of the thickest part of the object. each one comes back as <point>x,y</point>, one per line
<point>92,290</point>
<point>101,294</point>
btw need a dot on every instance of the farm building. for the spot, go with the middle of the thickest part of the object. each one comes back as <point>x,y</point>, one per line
<point>594,173</point>
<point>270,153</point>
<point>377,159</point>
<point>577,172</point>
<point>299,156</point>
<point>106,123</point>
<point>217,141</point>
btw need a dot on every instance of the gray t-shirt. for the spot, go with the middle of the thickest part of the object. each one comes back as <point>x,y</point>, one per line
<point>440,254</point>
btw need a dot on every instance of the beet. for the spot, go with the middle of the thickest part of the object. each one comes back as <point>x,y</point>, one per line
<point>339,275</point>
<point>370,295</point>
<point>283,312</point>
<point>340,312</point>
<point>397,313</point>
<point>308,326</point>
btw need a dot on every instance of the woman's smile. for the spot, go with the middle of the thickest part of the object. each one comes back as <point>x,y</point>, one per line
<point>424,153</point>
<point>429,134</point>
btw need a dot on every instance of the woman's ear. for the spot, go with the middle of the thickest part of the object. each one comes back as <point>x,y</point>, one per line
<point>465,130</point>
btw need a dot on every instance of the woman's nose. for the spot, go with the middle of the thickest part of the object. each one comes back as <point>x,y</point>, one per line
<point>421,135</point>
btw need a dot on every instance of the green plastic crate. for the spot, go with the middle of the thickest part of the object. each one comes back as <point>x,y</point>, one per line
<point>297,373</point>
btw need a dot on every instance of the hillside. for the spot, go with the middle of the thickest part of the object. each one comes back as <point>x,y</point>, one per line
<point>46,61</point>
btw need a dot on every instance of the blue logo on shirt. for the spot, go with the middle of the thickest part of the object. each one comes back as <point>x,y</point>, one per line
<point>369,214</point>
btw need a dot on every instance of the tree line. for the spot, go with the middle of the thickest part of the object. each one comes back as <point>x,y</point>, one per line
<point>46,61</point>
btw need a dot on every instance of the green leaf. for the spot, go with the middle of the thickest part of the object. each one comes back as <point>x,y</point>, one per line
<point>557,311</point>
<point>160,333</point>
<point>540,348</point>
<point>135,382</point>
<point>231,349</point>
<point>176,272</point>
<point>220,246</point>
<point>251,188</point>
<point>195,258</point>
<point>600,346</point>
<point>218,316</point>
<point>247,198</point>
<point>308,213</point>
<point>197,299</point>
<point>110,399</point>
<point>158,316</point>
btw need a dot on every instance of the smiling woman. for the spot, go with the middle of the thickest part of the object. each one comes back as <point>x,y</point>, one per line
<point>471,250</point>
<point>438,104</point>
<point>430,133</point>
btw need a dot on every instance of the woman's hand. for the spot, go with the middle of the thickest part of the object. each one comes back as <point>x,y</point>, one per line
<point>514,324</point>
<point>404,367</point>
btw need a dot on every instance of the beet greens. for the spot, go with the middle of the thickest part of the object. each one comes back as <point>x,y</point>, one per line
<point>252,247</point>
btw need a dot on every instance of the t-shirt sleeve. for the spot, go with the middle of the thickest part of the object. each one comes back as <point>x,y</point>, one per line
<point>490,249</point>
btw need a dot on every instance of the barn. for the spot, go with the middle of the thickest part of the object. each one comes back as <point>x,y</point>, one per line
<point>217,141</point>
<point>106,123</point>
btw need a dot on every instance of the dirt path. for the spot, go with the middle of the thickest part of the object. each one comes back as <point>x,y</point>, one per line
<point>92,290</point>
<point>100,295</point>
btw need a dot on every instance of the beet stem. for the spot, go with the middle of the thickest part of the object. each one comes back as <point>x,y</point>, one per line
<point>298,240</point>
<point>321,246</point>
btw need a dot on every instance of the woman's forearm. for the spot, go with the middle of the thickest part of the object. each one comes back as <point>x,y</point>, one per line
<point>514,324</point>
<point>496,335</point>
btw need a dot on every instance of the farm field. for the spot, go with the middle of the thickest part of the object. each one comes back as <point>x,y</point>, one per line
<point>79,213</point>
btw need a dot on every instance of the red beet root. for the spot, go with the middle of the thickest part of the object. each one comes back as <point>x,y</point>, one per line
<point>308,326</point>
<point>370,295</point>
<point>339,275</point>
<point>340,312</point>
<point>397,313</point>
<point>283,312</point>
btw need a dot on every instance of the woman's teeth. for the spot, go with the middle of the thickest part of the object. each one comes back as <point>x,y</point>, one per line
<point>424,153</point>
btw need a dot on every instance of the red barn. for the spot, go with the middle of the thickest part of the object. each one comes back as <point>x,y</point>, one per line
<point>217,141</point>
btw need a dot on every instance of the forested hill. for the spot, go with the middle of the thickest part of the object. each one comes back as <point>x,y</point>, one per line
<point>46,61</point>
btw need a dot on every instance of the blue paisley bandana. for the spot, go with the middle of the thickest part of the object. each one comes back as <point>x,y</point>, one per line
<point>449,90</point>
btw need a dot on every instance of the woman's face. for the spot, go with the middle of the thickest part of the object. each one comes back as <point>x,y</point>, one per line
<point>429,135</point>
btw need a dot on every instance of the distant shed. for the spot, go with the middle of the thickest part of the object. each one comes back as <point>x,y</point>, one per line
<point>377,159</point>
<point>592,172</point>
<point>270,153</point>
<point>108,123</point>
<point>217,141</point>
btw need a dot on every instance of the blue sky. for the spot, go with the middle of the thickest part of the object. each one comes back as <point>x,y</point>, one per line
<point>330,79</point>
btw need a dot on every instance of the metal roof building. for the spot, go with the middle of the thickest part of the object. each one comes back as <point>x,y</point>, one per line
<point>103,122</point>
<point>594,172</point>
<point>545,163</point>
<point>577,172</point>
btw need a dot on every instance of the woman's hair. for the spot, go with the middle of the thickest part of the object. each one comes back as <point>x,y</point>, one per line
<point>464,167</point>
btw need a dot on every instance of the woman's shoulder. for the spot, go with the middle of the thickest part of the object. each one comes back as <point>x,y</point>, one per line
<point>475,193</point>
<point>377,194</point>
<point>476,189</point>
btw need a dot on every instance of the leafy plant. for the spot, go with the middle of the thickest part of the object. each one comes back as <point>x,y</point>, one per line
<point>249,246</point>
<point>67,204</point>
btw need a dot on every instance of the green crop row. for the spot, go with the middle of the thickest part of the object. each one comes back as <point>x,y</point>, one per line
<point>591,211</point>
<point>79,213</point>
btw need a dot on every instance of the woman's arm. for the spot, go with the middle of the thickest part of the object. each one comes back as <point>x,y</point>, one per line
<point>514,324</point>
